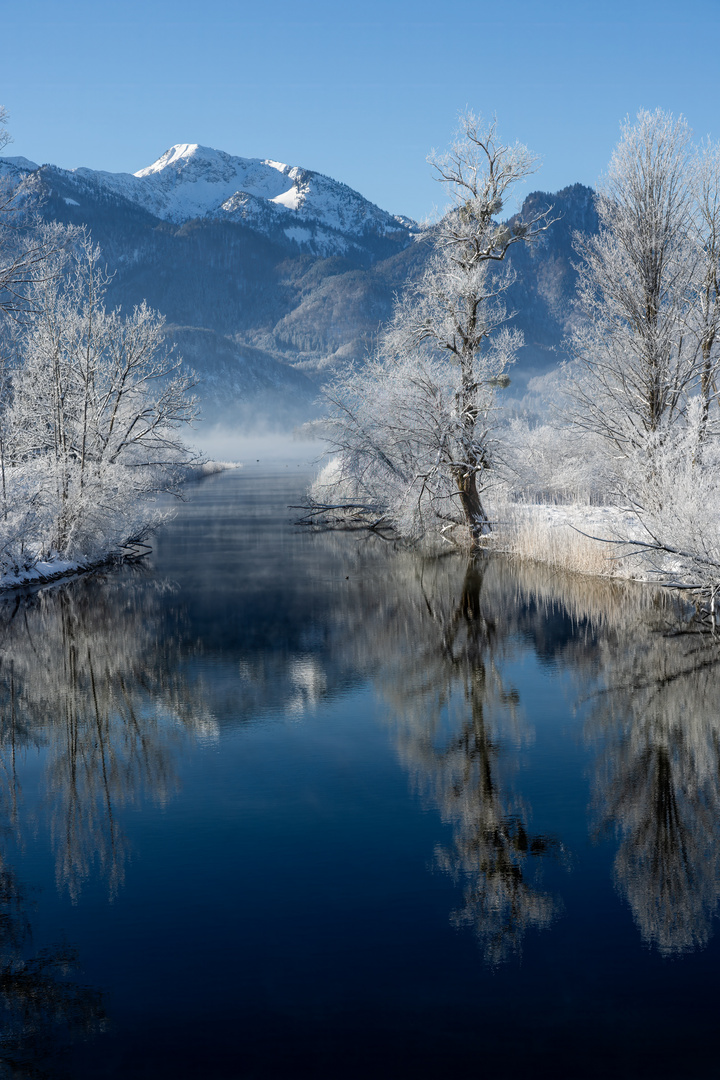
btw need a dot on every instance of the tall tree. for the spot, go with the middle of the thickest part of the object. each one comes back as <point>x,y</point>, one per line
<point>414,428</point>
<point>647,354</point>
<point>635,359</point>
<point>705,315</point>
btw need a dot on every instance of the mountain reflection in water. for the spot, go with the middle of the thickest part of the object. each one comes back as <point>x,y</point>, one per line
<point>114,683</point>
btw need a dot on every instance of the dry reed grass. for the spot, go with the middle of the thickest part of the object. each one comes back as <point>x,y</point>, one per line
<point>555,536</point>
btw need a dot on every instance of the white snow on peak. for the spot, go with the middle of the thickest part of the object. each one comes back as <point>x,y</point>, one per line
<point>179,153</point>
<point>192,181</point>
<point>291,199</point>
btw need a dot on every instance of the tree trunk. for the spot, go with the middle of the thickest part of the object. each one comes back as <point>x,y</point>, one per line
<point>475,516</point>
<point>705,386</point>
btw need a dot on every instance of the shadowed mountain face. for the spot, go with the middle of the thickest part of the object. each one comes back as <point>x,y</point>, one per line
<point>270,286</point>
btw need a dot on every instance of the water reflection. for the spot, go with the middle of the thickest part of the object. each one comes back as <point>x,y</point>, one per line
<point>43,1008</point>
<point>438,640</point>
<point>652,680</point>
<point>658,780</point>
<point>460,726</point>
<point>93,676</point>
<point>106,678</point>
<point>88,674</point>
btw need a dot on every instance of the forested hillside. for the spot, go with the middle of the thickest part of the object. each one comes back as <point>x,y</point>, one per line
<point>265,311</point>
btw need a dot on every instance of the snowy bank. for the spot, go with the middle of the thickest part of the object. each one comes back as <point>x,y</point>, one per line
<point>43,570</point>
<point>209,468</point>
<point>606,541</point>
<point>46,571</point>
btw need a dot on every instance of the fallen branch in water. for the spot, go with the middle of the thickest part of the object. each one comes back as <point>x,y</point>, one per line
<point>320,508</point>
<point>315,511</point>
<point>133,550</point>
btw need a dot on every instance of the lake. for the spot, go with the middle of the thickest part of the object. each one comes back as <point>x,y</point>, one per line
<point>283,803</point>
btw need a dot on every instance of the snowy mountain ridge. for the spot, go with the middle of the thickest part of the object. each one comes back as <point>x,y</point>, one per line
<point>190,181</point>
<point>265,295</point>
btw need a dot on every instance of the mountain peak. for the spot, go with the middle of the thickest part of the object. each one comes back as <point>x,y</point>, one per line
<point>183,155</point>
<point>190,181</point>
<point>176,155</point>
<point>22,163</point>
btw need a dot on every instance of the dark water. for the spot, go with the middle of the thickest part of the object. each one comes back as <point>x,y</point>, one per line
<point>286,804</point>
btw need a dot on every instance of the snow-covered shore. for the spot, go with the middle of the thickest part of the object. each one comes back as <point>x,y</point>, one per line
<point>44,571</point>
<point>604,541</point>
<point>209,468</point>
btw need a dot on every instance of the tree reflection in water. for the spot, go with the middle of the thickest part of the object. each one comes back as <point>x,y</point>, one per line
<point>658,780</point>
<point>99,678</point>
<point>42,1008</point>
<point>655,686</point>
<point>87,675</point>
<point>459,727</point>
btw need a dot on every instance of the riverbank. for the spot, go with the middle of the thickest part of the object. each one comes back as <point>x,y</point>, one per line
<point>613,543</point>
<point>576,537</point>
<point>44,571</point>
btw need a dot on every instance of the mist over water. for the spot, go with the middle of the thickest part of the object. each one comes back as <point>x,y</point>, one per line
<point>221,443</point>
<point>287,803</point>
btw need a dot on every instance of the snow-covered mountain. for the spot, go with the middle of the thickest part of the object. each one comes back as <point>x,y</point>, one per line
<point>272,276</point>
<point>188,182</point>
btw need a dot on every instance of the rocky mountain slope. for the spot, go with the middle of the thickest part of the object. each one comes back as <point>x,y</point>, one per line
<point>271,275</point>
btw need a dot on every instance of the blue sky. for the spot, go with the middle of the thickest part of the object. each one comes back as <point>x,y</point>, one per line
<point>361,92</point>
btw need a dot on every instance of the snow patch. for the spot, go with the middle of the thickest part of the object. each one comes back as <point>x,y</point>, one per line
<point>42,573</point>
<point>300,236</point>
<point>291,199</point>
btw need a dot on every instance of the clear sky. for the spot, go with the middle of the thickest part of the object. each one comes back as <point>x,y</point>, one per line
<point>359,91</point>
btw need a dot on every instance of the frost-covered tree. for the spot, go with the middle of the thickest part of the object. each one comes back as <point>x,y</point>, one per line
<point>705,295</point>
<point>98,404</point>
<point>647,355</point>
<point>92,402</point>
<point>634,357</point>
<point>414,430</point>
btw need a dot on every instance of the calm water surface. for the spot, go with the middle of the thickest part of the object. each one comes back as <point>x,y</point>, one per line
<point>284,804</point>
